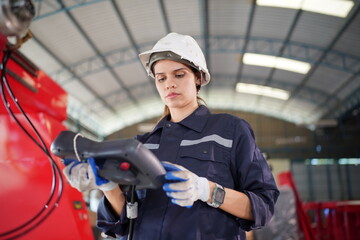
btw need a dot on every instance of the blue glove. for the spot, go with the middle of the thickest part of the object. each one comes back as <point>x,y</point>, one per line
<point>184,187</point>
<point>84,176</point>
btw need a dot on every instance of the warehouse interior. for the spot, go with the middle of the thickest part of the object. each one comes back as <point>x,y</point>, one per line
<point>289,68</point>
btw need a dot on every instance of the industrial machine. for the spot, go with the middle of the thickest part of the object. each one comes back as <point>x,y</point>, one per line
<point>35,200</point>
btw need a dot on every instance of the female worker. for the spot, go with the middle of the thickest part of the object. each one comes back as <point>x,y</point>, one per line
<point>219,182</point>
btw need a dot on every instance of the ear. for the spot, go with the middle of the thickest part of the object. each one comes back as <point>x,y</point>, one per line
<point>198,81</point>
<point>198,78</point>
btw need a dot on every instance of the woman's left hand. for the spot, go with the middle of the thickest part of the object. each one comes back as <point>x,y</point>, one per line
<point>185,187</point>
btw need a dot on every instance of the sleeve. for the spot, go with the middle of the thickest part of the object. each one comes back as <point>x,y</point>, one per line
<point>108,221</point>
<point>254,178</point>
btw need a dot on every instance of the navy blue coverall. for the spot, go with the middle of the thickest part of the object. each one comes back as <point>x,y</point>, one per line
<point>220,147</point>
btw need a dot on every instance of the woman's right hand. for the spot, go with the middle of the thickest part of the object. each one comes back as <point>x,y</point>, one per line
<point>83,176</point>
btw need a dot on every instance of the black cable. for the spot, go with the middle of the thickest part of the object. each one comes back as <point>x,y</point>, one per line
<point>35,225</point>
<point>56,173</point>
<point>131,220</point>
<point>7,105</point>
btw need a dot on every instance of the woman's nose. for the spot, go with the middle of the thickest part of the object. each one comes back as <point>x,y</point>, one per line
<point>170,84</point>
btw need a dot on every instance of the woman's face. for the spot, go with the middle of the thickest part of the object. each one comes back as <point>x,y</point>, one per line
<point>175,83</point>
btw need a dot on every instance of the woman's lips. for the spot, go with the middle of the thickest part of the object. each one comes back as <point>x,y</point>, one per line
<point>172,95</point>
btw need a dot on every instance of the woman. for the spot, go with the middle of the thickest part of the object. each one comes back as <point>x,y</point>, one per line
<point>219,185</point>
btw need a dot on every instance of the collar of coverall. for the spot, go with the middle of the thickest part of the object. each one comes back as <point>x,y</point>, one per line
<point>195,121</point>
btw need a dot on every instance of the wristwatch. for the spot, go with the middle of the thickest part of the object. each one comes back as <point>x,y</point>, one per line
<point>217,197</point>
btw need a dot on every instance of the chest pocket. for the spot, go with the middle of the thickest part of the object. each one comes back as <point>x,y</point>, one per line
<point>207,159</point>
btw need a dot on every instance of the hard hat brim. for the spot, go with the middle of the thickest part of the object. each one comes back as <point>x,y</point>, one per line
<point>145,58</point>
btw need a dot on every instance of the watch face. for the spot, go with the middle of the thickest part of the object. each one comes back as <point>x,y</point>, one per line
<point>219,196</point>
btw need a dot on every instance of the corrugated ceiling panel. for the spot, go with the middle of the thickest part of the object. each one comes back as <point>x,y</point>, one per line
<point>58,33</point>
<point>321,110</point>
<point>271,104</point>
<point>228,17</point>
<point>76,89</point>
<point>300,105</point>
<point>281,85</point>
<point>144,19</point>
<point>228,21</point>
<point>264,46</point>
<point>143,91</point>
<point>130,114</point>
<point>316,29</point>
<point>224,63</point>
<point>303,52</point>
<point>343,61</point>
<point>72,3</point>
<point>122,57</point>
<point>132,74</point>
<point>118,99</point>
<point>256,72</point>
<point>102,82</point>
<point>45,7</point>
<point>350,40</point>
<point>313,97</point>
<point>103,27</point>
<point>287,77</point>
<point>97,107</point>
<point>79,111</point>
<point>353,86</point>
<point>32,50</point>
<point>252,80</point>
<point>221,81</point>
<point>218,98</point>
<point>148,45</point>
<point>272,22</point>
<point>62,77</point>
<point>244,100</point>
<point>127,110</point>
<point>100,111</point>
<point>327,79</point>
<point>152,107</point>
<point>185,17</point>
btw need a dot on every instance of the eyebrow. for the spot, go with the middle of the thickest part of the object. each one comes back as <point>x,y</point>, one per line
<point>179,69</point>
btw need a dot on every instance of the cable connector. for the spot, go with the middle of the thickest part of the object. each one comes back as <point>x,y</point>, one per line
<point>131,210</point>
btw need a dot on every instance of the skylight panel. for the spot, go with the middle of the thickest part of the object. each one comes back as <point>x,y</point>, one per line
<point>262,91</point>
<point>337,8</point>
<point>276,62</point>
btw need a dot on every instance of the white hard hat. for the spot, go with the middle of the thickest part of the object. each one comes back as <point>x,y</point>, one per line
<point>185,48</point>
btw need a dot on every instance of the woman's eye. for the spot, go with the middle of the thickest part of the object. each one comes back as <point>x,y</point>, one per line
<point>179,75</point>
<point>161,79</point>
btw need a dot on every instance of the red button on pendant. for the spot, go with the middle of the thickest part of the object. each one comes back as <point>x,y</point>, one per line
<point>124,166</point>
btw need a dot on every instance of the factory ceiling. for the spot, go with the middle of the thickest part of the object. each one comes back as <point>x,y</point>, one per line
<point>91,47</point>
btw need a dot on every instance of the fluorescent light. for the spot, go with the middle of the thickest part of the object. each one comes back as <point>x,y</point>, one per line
<point>338,8</point>
<point>333,7</point>
<point>352,161</point>
<point>294,4</point>
<point>276,62</point>
<point>262,90</point>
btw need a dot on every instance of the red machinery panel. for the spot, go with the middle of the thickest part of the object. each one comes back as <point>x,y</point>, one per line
<point>26,173</point>
<point>325,220</point>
